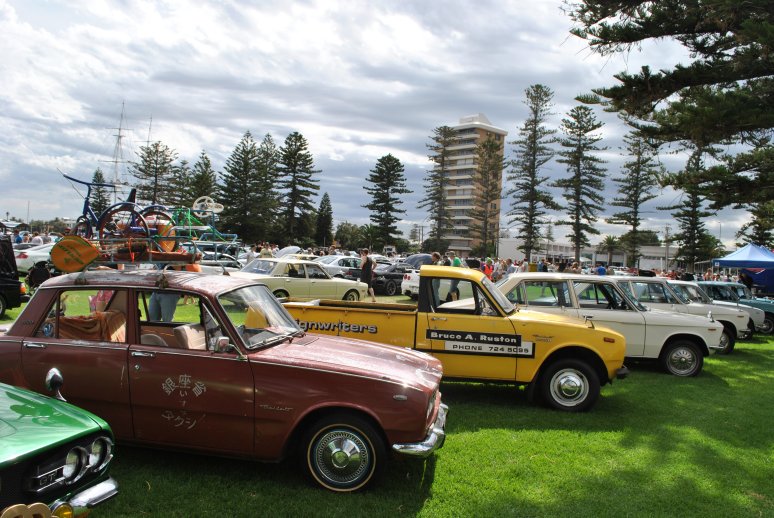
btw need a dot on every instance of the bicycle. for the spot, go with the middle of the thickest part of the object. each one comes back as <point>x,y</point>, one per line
<point>120,221</point>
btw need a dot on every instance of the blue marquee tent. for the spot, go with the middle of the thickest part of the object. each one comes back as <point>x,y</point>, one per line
<point>749,256</point>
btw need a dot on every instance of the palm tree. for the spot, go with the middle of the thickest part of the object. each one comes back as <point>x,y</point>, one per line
<point>609,245</point>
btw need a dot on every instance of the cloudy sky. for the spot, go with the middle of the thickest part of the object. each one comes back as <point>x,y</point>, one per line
<point>359,79</point>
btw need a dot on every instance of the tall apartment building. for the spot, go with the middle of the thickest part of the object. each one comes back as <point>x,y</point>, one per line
<point>461,189</point>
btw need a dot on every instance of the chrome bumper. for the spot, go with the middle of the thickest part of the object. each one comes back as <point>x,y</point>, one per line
<point>432,442</point>
<point>83,502</point>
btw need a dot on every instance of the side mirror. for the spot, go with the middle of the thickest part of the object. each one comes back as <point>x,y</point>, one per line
<point>222,344</point>
<point>54,382</point>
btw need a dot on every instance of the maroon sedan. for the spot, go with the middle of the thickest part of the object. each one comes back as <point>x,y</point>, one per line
<point>215,364</point>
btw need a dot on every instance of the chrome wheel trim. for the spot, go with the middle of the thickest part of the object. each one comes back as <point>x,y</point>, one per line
<point>341,457</point>
<point>682,361</point>
<point>569,387</point>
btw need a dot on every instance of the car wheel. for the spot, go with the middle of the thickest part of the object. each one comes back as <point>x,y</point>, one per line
<point>727,340</point>
<point>352,295</point>
<point>281,294</point>
<point>343,453</point>
<point>751,329</point>
<point>768,324</point>
<point>3,305</point>
<point>682,358</point>
<point>569,385</point>
<point>390,288</point>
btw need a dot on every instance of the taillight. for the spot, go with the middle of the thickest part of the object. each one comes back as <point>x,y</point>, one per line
<point>22,255</point>
<point>23,289</point>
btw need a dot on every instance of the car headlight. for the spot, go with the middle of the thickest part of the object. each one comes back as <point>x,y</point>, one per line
<point>75,464</point>
<point>100,453</point>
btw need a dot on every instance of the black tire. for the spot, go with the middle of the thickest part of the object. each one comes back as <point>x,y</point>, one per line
<point>120,223</point>
<point>343,453</point>
<point>391,288</point>
<point>352,296</point>
<point>751,329</point>
<point>161,224</point>
<point>570,385</point>
<point>768,324</point>
<point>82,228</point>
<point>682,358</point>
<point>281,294</point>
<point>3,306</point>
<point>727,339</point>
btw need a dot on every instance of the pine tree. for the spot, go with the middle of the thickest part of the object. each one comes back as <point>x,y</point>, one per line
<point>181,185</point>
<point>724,94</point>
<point>267,197</point>
<point>100,197</point>
<point>533,150</point>
<point>435,184</point>
<point>323,234</point>
<point>487,180</point>
<point>635,188</point>
<point>203,180</point>
<point>694,242</point>
<point>385,184</point>
<point>759,230</point>
<point>237,191</point>
<point>296,183</point>
<point>585,184</point>
<point>154,173</point>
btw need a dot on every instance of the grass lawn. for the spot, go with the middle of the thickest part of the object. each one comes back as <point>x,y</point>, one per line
<point>655,445</point>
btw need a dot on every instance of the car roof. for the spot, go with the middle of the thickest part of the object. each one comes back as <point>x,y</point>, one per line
<point>180,280</point>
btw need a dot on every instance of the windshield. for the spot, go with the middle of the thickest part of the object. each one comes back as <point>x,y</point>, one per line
<point>693,293</point>
<point>326,259</point>
<point>259,319</point>
<point>681,296</point>
<point>497,295</point>
<point>260,266</point>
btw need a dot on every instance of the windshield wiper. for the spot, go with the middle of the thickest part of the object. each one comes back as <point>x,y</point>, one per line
<point>273,340</point>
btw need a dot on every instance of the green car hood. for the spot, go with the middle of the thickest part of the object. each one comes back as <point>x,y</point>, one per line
<point>30,422</point>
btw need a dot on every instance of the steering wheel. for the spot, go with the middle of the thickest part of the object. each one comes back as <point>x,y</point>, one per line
<point>204,205</point>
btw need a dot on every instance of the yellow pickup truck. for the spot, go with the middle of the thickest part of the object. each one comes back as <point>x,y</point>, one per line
<point>462,319</point>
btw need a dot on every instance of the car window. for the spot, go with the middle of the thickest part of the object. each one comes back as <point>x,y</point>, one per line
<point>459,296</point>
<point>594,295</point>
<point>315,272</point>
<point>261,266</point>
<point>547,293</point>
<point>89,315</point>
<point>167,306</point>
<point>654,293</point>
<point>176,320</point>
<point>292,270</point>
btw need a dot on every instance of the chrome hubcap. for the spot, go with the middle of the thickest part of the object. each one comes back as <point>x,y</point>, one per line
<point>341,456</point>
<point>569,387</point>
<point>682,361</point>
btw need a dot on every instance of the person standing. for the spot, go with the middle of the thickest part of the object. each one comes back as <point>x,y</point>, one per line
<point>367,272</point>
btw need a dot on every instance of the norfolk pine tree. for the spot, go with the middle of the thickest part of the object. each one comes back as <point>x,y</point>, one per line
<point>487,180</point>
<point>585,184</point>
<point>694,242</point>
<point>154,173</point>
<point>238,191</point>
<point>385,184</point>
<point>296,183</point>
<point>435,184</point>
<point>100,197</point>
<point>266,196</point>
<point>533,150</point>
<point>323,234</point>
<point>725,94</point>
<point>203,179</point>
<point>639,177</point>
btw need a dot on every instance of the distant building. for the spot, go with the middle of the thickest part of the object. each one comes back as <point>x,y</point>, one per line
<point>461,188</point>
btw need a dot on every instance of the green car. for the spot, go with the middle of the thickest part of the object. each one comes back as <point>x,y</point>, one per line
<point>54,457</point>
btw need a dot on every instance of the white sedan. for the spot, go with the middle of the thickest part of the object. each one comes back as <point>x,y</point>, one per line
<point>679,341</point>
<point>26,259</point>
<point>338,265</point>
<point>302,280</point>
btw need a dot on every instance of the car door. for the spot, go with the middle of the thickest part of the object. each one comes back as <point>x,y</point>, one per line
<point>603,304</point>
<point>467,334</point>
<point>89,348</point>
<point>291,278</point>
<point>192,398</point>
<point>321,286</point>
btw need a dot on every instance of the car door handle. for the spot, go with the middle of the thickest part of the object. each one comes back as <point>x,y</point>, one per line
<point>34,345</point>
<point>438,318</point>
<point>143,354</point>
